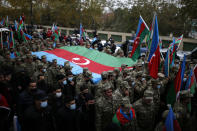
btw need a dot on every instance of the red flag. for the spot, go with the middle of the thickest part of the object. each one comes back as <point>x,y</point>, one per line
<point>154,64</point>
<point>195,72</point>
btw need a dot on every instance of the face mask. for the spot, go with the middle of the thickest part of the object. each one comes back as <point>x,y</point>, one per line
<point>73,106</point>
<point>133,83</point>
<point>158,86</point>
<point>44,70</point>
<point>143,79</point>
<point>58,95</point>
<point>177,65</point>
<point>142,63</point>
<point>96,48</point>
<point>44,104</point>
<point>65,82</point>
<point>184,79</point>
<point>70,78</point>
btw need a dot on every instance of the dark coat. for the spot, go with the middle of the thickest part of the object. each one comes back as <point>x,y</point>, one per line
<point>36,120</point>
<point>67,120</point>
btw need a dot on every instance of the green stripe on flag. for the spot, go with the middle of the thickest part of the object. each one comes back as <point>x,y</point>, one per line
<point>171,95</point>
<point>99,57</point>
<point>115,120</point>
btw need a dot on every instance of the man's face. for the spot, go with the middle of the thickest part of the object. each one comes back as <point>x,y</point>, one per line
<point>32,86</point>
<point>109,93</point>
<point>44,60</point>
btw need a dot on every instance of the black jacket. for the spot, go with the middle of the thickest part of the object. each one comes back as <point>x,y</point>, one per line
<point>36,120</point>
<point>67,120</point>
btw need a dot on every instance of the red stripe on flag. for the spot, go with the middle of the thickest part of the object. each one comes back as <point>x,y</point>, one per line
<point>81,60</point>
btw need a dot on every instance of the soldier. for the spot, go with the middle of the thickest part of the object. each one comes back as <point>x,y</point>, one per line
<point>40,70</point>
<point>181,110</point>
<point>80,76</point>
<point>100,85</point>
<point>86,80</point>
<point>29,66</point>
<point>104,109</point>
<point>125,118</point>
<point>140,86</point>
<point>161,124</point>
<point>111,79</point>
<point>145,112</point>
<point>121,94</point>
<point>117,78</point>
<point>44,62</point>
<point>53,71</point>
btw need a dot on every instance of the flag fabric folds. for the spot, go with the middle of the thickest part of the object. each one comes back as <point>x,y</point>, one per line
<point>166,65</point>
<point>179,77</point>
<point>141,33</point>
<point>154,64</point>
<point>171,124</point>
<point>155,40</point>
<point>120,118</point>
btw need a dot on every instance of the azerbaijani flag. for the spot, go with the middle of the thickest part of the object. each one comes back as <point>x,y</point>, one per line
<point>82,33</point>
<point>191,82</point>
<point>171,124</point>
<point>176,43</point>
<point>172,53</point>
<point>16,25</point>
<point>154,63</point>
<point>195,72</point>
<point>11,40</point>
<point>155,40</point>
<point>175,86</point>
<point>81,57</point>
<point>120,118</point>
<point>27,37</point>
<point>20,23</point>
<point>142,31</point>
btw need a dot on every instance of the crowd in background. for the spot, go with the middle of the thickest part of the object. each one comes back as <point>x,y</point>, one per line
<point>48,97</point>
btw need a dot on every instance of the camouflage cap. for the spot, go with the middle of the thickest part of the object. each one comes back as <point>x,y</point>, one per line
<point>40,67</point>
<point>88,74</point>
<point>164,114</point>
<point>154,81</point>
<point>161,75</point>
<point>104,75</point>
<point>125,84</point>
<point>139,73</point>
<point>43,57</point>
<point>148,93</point>
<point>124,66</point>
<point>110,73</point>
<point>54,60</point>
<point>117,70</point>
<point>106,87</point>
<point>85,70</point>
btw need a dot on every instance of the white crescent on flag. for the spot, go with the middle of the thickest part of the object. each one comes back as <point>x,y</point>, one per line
<point>74,60</point>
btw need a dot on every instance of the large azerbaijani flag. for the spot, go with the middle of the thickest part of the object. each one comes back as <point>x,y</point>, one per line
<point>81,57</point>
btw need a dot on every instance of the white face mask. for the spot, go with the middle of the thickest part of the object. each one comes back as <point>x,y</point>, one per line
<point>59,94</point>
<point>73,106</point>
<point>184,79</point>
<point>44,104</point>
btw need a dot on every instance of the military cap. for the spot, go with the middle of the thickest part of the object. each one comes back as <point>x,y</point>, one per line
<point>40,67</point>
<point>34,56</point>
<point>148,93</point>
<point>106,87</point>
<point>161,75</point>
<point>54,60</point>
<point>85,70</point>
<point>153,81</point>
<point>43,57</point>
<point>117,70</point>
<point>124,65</point>
<point>139,73</point>
<point>104,74</point>
<point>185,94</point>
<point>110,73</point>
<point>88,74</point>
<point>125,84</point>
<point>29,56</point>
<point>164,114</point>
<point>66,63</point>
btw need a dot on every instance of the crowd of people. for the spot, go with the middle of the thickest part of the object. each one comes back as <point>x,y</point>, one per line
<point>48,97</point>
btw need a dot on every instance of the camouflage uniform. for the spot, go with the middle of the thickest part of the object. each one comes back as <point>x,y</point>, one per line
<point>117,78</point>
<point>119,95</point>
<point>29,66</point>
<point>145,112</point>
<point>104,111</point>
<point>89,84</point>
<point>181,110</point>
